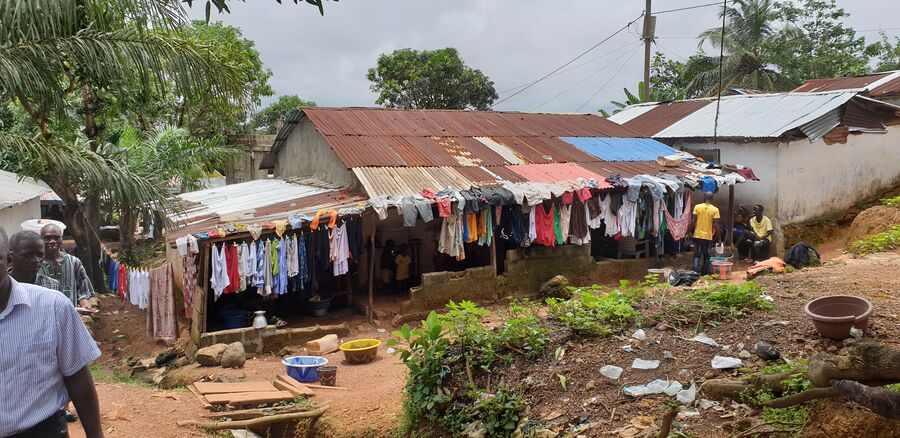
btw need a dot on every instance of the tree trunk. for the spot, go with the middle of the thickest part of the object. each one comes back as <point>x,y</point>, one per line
<point>127,224</point>
<point>90,256</point>
<point>866,362</point>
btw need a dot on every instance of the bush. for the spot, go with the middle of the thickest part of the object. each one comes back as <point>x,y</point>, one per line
<point>522,331</point>
<point>891,202</point>
<point>593,313</point>
<point>885,241</point>
<point>734,298</point>
<point>708,306</point>
<point>792,417</point>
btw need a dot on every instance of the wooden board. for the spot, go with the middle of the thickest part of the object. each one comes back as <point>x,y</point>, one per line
<point>339,388</point>
<point>239,398</point>
<point>203,400</point>
<point>289,381</point>
<point>223,388</point>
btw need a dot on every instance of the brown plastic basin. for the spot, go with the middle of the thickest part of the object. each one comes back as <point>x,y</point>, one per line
<point>835,315</point>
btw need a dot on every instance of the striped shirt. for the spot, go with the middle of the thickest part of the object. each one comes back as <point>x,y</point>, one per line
<point>42,340</point>
<point>72,277</point>
<point>47,282</point>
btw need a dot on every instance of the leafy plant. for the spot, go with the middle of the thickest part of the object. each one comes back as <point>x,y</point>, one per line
<point>522,331</point>
<point>885,241</point>
<point>891,202</point>
<point>499,412</point>
<point>707,306</point>
<point>477,344</point>
<point>423,351</point>
<point>792,417</point>
<point>591,314</point>
<point>735,297</point>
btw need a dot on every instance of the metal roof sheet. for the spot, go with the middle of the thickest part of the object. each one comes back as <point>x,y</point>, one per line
<point>556,173</point>
<point>652,118</point>
<point>627,169</point>
<point>15,192</point>
<point>621,149</point>
<point>877,84</point>
<point>758,115</point>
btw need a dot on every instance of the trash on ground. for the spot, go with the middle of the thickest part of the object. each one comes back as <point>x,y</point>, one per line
<point>611,372</point>
<point>381,330</point>
<point>390,350</point>
<point>658,386</point>
<point>725,362</point>
<point>668,355</point>
<point>703,339</point>
<point>706,404</point>
<point>628,348</point>
<point>642,364</point>
<point>766,351</point>
<point>684,415</point>
<point>744,354</point>
<point>856,333</point>
<point>687,396</point>
<point>639,335</point>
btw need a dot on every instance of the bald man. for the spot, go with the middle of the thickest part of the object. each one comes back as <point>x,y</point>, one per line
<point>65,268</point>
<point>45,351</point>
<point>26,254</point>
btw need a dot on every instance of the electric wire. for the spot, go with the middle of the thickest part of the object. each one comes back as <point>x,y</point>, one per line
<point>607,81</point>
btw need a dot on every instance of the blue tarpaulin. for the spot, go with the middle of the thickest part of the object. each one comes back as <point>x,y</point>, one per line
<point>620,149</point>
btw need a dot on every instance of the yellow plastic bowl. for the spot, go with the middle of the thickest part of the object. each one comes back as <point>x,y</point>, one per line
<point>361,350</point>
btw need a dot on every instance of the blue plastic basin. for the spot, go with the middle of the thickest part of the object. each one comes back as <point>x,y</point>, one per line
<point>234,319</point>
<point>304,368</point>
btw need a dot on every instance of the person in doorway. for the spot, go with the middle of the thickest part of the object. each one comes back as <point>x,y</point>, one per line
<point>402,262</point>
<point>26,253</point>
<point>760,239</point>
<point>705,220</point>
<point>65,268</point>
<point>386,263</point>
<point>45,350</point>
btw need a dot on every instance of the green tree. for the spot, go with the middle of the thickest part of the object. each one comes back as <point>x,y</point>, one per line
<point>266,121</point>
<point>56,53</point>
<point>222,5</point>
<point>822,47</point>
<point>886,53</point>
<point>430,79</point>
<point>749,62</point>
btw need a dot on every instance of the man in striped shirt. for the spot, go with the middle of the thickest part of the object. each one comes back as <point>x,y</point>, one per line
<point>45,351</point>
<point>26,253</point>
<point>65,268</point>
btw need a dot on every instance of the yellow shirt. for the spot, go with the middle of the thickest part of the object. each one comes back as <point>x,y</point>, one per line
<point>762,227</point>
<point>705,214</point>
<point>402,266</point>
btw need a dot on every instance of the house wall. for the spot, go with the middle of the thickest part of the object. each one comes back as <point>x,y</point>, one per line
<point>11,217</point>
<point>820,181</point>
<point>245,167</point>
<point>306,154</point>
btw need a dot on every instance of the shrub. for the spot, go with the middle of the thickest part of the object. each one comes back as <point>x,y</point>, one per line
<point>424,351</point>
<point>885,241</point>
<point>593,313</point>
<point>499,412</point>
<point>891,202</point>
<point>709,305</point>
<point>735,298</point>
<point>522,330</point>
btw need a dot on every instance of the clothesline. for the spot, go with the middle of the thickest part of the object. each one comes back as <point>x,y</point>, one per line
<point>148,288</point>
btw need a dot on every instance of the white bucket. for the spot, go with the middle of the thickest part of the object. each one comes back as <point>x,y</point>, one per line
<point>36,225</point>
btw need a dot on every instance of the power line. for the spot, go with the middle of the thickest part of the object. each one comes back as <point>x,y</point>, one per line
<point>705,5</point>
<point>607,81</point>
<point>569,62</point>
<point>879,30</point>
<point>574,67</point>
<point>634,45</point>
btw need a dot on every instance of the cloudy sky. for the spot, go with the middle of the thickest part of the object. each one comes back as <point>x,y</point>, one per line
<point>514,42</point>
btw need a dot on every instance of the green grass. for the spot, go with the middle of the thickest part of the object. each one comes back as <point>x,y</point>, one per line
<point>891,202</point>
<point>885,241</point>
<point>102,374</point>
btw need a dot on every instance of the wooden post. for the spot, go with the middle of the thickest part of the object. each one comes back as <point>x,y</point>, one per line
<point>372,275</point>
<point>730,237</point>
<point>494,255</point>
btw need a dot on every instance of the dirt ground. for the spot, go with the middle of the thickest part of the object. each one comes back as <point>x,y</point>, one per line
<point>371,406</point>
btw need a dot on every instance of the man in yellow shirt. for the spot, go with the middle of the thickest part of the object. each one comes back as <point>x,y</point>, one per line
<point>760,239</point>
<point>402,262</point>
<point>705,220</point>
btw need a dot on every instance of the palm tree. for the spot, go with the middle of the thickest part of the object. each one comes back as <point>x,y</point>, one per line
<point>748,62</point>
<point>54,50</point>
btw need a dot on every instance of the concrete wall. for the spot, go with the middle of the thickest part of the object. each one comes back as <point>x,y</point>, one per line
<point>11,217</point>
<point>820,181</point>
<point>245,167</point>
<point>271,339</point>
<point>306,154</point>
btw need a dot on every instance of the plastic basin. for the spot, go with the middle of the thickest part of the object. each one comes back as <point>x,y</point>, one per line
<point>234,319</point>
<point>361,350</point>
<point>304,368</point>
<point>835,315</point>
<point>320,308</point>
<point>722,269</point>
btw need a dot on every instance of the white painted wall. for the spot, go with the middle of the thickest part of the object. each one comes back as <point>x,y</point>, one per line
<point>819,181</point>
<point>11,217</point>
<point>306,154</point>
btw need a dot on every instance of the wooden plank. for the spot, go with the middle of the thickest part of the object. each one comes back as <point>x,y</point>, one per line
<point>285,387</point>
<point>199,395</point>
<point>222,388</point>
<point>249,397</point>
<point>339,388</point>
<point>288,380</point>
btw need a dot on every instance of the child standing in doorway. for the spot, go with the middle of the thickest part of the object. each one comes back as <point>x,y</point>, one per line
<point>402,263</point>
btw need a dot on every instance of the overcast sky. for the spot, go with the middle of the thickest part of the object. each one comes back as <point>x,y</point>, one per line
<point>514,42</point>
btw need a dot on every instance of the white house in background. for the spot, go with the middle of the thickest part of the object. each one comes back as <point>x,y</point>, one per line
<point>816,153</point>
<point>19,201</point>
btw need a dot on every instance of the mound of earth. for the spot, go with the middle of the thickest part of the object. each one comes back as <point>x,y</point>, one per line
<point>872,221</point>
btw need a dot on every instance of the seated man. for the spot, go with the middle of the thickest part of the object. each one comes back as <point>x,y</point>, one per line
<point>756,241</point>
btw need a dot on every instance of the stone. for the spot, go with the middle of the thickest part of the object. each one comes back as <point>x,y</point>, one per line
<point>766,351</point>
<point>590,385</point>
<point>556,287</point>
<point>211,356</point>
<point>663,327</point>
<point>234,356</point>
<point>744,354</point>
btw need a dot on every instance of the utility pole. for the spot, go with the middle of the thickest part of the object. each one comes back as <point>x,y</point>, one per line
<point>647,36</point>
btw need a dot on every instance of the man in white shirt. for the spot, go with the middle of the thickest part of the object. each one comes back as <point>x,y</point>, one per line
<point>45,351</point>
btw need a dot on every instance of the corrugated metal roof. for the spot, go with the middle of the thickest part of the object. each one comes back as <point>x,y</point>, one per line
<point>817,128</point>
<point>15,192</point>
<point>627,169</point>
<point>620,149</point>
<point>649,119</point>
<point>757,116</point>
<point>253,202</point>
<point>557,173</point>
<point>876,84</point>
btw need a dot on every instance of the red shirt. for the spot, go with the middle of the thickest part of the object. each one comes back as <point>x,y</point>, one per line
<point>543,225</point>
<point>231,261</point>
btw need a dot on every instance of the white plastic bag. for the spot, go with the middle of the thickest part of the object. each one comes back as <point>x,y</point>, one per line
<point>611,371</point>
<point>720,248</point>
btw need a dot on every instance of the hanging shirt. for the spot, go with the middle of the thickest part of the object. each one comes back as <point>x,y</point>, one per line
<point>557,227</point>
<point>259,271</point>
<point>280,280</point>
<point>293,263</point>
<point>219,279</point>
<point>545,231</point>
<point>250,263</point>
<point>443,205</point>
<point>302,262</point>
<point>339,250</point>
<point>231,261</point>
<point>241,266</point>
<point>267,269</point>
<point>678,226</point>
<point>578,227</point>
<point>123,282</point>
<point>450,241</point>
<point>472,226</point>
<point>532,225</point>
<point>564,221</point>
<point>627,218</point>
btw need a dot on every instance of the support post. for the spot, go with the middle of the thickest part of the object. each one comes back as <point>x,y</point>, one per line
<point>730,237</point>
<point>372,276</point>
<point>494,255</point>
<point>649,30</point>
